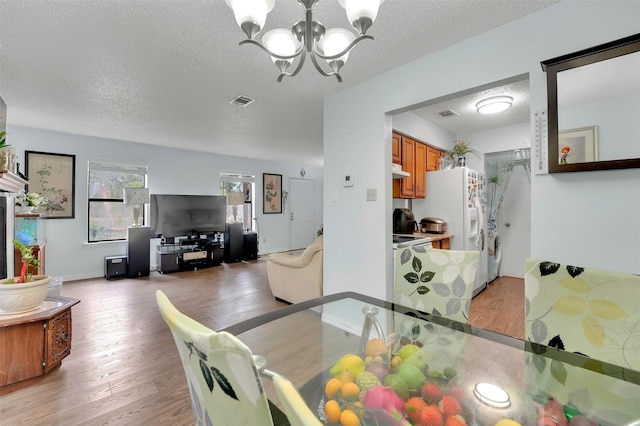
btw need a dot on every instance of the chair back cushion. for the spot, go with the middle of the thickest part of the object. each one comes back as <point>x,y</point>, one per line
<point>224,382</point>
<point>590,311</point>
<point>434,281</point>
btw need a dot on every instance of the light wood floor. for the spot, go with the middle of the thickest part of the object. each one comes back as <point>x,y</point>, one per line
<point>124,368</point>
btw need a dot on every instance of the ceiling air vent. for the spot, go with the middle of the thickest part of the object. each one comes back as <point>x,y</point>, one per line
<point>448,113</point>
<point>241,100</point>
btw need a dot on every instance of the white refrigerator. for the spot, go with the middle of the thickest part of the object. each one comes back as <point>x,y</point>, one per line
<point>458,196</point>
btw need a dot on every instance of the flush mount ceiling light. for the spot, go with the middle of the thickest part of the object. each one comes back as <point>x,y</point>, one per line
<point>306,37</point>
<point>492,395</point>
<point>494,104</point>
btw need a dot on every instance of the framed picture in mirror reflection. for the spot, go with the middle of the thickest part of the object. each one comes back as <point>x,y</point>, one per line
<point>578,145</point>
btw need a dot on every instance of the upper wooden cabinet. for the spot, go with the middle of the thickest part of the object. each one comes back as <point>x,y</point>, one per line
<point>414,161</point>
<point>396,156</point>
<point>433,155</point>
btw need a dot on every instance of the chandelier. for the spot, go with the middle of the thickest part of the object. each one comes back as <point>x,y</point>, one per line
<point>306,37</point>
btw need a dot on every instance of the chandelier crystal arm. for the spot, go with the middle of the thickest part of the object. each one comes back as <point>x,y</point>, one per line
<point>347,49</point>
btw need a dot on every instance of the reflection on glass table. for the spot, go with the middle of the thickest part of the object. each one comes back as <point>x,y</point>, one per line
<point>408,367</point>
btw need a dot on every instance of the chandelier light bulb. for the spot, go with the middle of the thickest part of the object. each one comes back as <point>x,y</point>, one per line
<point>251,11</point>
<point>361,13</point>
<point>494,104</point>
<point>281,42</point>
<point>335,40</point>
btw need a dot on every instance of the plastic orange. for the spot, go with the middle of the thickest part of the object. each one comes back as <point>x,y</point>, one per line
<point>350,392</point>
<point>375,347</point>
<point>357,408</point>
<point>349,418</point>
<point>332,411</point>
<point>332,388</point>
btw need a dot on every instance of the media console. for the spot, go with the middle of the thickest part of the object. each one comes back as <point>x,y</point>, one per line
<point>189,254</point>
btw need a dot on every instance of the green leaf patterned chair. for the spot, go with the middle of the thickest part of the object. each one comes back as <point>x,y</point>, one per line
<point>438,282</point>
<point>223,379</point>
<point>592,312</point>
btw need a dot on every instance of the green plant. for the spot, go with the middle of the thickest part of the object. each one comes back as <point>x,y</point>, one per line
<point>29,261</point>
<point>494,180</point>
<point>3,139</point>
<point>461,148</point>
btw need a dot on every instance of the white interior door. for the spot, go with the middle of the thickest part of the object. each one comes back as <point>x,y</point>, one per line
<point>515,227</point>
<point>301,212</point>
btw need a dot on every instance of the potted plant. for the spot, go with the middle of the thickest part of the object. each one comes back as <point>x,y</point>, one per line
<point>26,291</point>
<point>460,149</point>
<point>7,154</point>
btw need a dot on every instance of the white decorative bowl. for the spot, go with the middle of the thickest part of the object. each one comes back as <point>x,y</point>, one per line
<point>23,297</point>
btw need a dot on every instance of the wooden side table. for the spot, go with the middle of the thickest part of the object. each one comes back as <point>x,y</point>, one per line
<point>33,343</point>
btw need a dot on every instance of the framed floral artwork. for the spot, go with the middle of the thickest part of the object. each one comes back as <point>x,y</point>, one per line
<point>53,176</point>
<point>272,193</point>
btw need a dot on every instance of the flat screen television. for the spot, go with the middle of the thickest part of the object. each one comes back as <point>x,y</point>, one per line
<point>186,215</point>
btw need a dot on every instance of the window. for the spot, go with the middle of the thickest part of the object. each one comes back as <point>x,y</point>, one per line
<point>238,188</point>
<point>108,215</point>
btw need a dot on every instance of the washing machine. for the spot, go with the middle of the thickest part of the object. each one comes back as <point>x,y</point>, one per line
<point>495,255</point>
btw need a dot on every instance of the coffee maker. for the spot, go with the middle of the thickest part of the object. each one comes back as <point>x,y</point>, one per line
<point>403,221</point>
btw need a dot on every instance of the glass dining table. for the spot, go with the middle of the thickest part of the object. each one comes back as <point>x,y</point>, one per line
<point>433,370</point>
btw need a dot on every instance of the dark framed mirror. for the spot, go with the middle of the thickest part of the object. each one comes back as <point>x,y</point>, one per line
<point>593,100</point>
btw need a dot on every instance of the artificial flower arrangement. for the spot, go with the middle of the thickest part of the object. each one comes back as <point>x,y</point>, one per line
<point>31,199</point>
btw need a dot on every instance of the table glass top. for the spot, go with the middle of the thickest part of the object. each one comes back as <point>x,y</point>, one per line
<point>455,369</point>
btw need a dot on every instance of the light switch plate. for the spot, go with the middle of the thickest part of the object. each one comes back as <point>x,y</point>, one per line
<point>372,194</point>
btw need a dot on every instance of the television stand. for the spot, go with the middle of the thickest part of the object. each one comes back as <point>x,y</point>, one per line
<point>188,255</point>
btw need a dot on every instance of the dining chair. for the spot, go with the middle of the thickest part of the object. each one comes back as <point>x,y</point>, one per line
<point>435,281</point>
<point>295,407</point>
<point>224,382</point>
<point>438,282</point>
<point>592,312</point>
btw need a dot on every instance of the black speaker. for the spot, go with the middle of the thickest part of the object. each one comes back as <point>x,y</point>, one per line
<point>233,242</point>
<point>138,251</point>
<point>250,247</point>
<point>115,267</point>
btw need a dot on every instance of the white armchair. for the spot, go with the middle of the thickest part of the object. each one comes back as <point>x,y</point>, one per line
<point>296,278</point>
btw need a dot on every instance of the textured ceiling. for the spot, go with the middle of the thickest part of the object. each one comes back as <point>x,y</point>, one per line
<point>163,72</point>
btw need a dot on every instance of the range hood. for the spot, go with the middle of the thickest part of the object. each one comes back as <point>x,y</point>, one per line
<point>397,172</point>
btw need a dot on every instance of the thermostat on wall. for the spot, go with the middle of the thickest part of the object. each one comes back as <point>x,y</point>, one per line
<point>349,180</point>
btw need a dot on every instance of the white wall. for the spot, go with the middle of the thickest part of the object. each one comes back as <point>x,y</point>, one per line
<point>566,208</point>
<point>411,124</point>
<point>171,171</point>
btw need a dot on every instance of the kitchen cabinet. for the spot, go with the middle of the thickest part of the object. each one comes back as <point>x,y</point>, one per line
<point>433,155</point>
<point>396,156</point>
<point>414,161</point>
<point>443,244</point>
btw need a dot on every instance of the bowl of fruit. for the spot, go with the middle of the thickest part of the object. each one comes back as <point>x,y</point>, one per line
<point>382,387</point>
